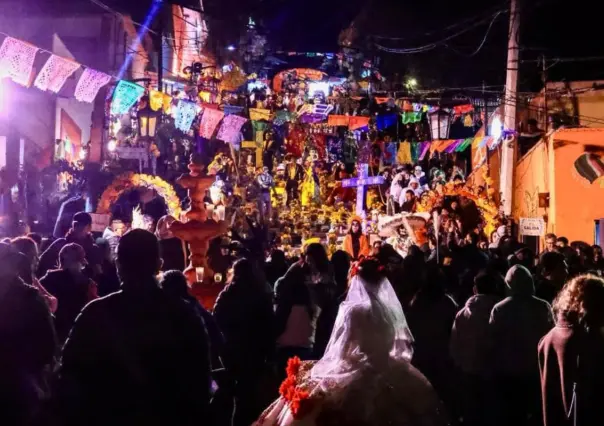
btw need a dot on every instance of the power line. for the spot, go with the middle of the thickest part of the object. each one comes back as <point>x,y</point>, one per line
<point>121,15</point>
<point>447,28</point>
<point>525,105</point>
<point>481,45</point>
<point>564,60</point>
<point>433,45</point>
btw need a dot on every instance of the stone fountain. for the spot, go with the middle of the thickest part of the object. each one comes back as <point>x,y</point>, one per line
<point>198,230</point>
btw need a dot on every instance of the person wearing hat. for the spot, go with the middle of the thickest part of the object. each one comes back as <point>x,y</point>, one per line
<point>80,234</point>
<point>356,244</point>
<point>70,285</point>
<point>421,177</point>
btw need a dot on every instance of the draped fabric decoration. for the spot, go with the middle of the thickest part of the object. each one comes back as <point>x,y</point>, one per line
<point>411,117</point>
<point>468,121</point>
<point>125,95</point>
<point>185,115</point>
<point>358,123</point>
<point>230,128</point>
<point>389,153</point>
<point>167,103</point>
<point>17,60</point>
<point>404,153</point>
<point>443,145</point>
<point>462,146</point>
<point>385,121</point>
<point>89,84</point>
<point>232,109</point>
<point>338,120</point>
<point>312,118</point>
<point>451,148</point>
<point>259,129</point>
<point>55,73</point>
<point>205,96</point>
<point>257,114</point>
<point>209,122</point>
<point>416,150</point>
<point>282,117</point>
<point>159,100</point>
<point>462,109</point>
<point>424,150</point>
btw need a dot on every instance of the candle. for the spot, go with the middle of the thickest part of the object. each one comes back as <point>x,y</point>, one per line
<point>199,273</point>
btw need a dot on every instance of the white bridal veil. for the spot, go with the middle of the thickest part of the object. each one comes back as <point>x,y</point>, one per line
<point>370,329</point>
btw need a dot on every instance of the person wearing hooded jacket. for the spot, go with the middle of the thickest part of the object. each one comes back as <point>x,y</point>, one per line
<point>471,347</point>
<point>517,325</point>
<point>413,186</point>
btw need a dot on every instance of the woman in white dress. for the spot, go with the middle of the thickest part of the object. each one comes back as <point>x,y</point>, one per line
<point>365,377</point>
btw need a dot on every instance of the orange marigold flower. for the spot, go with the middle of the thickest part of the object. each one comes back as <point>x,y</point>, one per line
<point>293,366</point>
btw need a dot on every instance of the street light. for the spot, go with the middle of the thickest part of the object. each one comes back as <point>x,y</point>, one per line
<point>496,128</point>
<point>83,154</point>
<point>411,83</point>
<point>440,121</point>
<point>112,145</point>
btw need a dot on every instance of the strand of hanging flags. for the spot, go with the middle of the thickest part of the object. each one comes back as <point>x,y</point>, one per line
<point>412,152</point>
<point>17,61</point>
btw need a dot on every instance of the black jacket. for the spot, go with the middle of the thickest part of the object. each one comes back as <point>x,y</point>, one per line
<point>28,343</point>
<point>135,357</point>
<point>244,314</point>
<point>72,295</point>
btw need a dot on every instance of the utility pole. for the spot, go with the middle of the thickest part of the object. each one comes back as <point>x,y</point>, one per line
<point>485,110</point>
<point>544,81</point>
<point>160,52</point>
<point>510,103</point>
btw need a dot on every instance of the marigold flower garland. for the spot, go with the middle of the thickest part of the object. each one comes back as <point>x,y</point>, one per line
<point>131,180</point>
<point>297,398</point>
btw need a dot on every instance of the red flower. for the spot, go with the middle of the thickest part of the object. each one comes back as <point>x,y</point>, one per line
<point>297,398</point>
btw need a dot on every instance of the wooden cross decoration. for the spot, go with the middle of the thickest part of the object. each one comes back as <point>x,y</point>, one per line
<point>258,146</point>
<point>258,143</point>
<point>361,182</point>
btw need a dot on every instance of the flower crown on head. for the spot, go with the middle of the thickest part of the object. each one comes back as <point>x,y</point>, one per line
<point>358,265</point>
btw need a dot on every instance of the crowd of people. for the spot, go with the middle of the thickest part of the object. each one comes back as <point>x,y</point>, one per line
<point>91,335</point>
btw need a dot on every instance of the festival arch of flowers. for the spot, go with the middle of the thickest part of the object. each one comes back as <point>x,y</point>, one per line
<point>482,198</point>
<point>127,181</point>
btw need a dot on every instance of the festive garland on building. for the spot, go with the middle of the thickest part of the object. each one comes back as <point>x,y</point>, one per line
<point>131,180</point>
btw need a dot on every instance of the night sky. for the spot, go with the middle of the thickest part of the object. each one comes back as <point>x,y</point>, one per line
<point>556,28</point>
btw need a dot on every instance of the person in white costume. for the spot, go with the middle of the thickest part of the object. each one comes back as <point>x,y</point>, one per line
<point>365,377</point>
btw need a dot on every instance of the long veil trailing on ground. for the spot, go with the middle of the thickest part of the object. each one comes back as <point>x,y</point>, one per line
<point>370,327</point>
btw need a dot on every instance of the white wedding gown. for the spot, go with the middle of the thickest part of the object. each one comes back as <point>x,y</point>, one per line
<point>365,377</point>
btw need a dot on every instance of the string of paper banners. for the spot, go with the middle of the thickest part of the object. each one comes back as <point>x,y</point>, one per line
<point>17,61</point>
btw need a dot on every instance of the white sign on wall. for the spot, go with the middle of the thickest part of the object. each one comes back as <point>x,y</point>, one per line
<point>532,226</point>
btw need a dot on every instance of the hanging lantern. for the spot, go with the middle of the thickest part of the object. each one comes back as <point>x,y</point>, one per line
<point>440,122</point>
<point>147,120</point>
